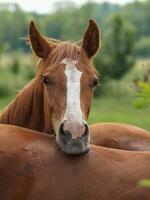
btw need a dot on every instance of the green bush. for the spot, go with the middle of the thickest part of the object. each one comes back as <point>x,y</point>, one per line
<point>143,96</point>
<point>144,183</point>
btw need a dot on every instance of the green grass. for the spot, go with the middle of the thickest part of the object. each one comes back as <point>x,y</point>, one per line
<point>109,109</point>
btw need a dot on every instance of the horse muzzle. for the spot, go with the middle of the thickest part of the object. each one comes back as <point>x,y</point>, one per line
<point>73,145</point>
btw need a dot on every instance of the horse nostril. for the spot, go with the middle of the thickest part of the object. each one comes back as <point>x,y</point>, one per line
<point>65,135</point>
<point>86,132</point>
<point>61,128</point>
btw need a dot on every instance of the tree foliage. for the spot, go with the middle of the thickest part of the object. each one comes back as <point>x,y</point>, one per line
<point>117,53</point>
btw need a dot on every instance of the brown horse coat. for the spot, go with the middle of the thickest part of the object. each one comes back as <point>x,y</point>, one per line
<point>32,168</point>
<point>120,136</point>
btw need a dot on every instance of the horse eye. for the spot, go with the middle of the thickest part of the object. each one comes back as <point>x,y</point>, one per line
<point>95,82</point>
<point>45,80</point>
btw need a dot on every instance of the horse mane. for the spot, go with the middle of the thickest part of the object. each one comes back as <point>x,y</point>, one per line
<point>21,110</point>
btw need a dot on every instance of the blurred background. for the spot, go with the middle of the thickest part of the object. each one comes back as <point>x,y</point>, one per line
<point>123,61</point>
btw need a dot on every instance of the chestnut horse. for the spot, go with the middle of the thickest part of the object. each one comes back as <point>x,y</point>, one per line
<point>33,168</point>
<point>120,136</point>
<point>58,99</point>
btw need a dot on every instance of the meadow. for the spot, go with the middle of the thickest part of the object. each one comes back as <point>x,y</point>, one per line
<point>115,105</point>
<point>112,109</point>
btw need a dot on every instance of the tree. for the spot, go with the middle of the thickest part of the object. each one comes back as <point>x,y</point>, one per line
<point>117,48</point>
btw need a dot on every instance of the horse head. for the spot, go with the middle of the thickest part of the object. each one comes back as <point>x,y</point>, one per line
<point>69,78</point>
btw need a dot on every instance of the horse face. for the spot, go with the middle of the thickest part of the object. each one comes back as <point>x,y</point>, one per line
<point>69,88</point>
<point>68,83</point>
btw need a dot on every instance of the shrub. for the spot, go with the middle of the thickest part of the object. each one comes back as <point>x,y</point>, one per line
<point>143,96</point>
<point>144,183</point>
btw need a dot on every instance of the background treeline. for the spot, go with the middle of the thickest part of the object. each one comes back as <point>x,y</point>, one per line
<point>68,22</point>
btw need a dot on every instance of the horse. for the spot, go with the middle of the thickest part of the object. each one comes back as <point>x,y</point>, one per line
<point>33,167</point>
<point>120,136</point>
<point>58,99</point>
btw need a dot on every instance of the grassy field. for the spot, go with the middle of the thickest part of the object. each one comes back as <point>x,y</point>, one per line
<point>109,109</point>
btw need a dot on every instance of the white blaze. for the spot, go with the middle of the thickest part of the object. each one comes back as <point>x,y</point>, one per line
<point>73,109</point>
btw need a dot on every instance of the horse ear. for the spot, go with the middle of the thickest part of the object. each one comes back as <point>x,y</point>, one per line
<point>91,39</point>
<point>38,43</point>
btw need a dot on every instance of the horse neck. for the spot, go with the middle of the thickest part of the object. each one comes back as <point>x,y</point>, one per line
<point>27,110</point>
